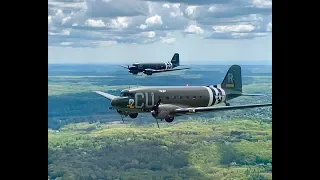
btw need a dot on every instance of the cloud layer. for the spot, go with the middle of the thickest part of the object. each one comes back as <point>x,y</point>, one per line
<point>100,23</point>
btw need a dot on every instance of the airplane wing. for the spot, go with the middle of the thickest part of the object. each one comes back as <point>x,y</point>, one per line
<point>127,67</point>
<point>245,94</point>
<point>165,70</point>
<point>108,96</point>
<point>182,111</point>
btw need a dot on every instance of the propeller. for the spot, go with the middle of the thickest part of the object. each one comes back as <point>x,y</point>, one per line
<point>155,108</point>
<point>155,111</point>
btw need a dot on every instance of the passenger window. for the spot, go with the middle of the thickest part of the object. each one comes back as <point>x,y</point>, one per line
<point>194,97</point>
<point>167,97</point>
<point>200,97</point>
<point>181,97</point>
<point>187,97</point>
<point>173,97</point>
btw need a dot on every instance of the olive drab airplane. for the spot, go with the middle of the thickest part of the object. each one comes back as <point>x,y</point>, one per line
<point>150,68</point>
<point>168,102</point>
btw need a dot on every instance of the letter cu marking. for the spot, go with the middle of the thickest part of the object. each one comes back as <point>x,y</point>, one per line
<point>145,100</point>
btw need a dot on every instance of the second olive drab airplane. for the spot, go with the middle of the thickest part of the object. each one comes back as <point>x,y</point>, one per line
<point>150,68</point>
<point>167,102</point>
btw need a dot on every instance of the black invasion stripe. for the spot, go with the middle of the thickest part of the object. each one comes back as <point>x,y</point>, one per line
<point>214,95</point>
<point>220,92</point>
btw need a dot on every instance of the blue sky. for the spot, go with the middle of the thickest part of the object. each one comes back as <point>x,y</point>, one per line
<point>128,31</point>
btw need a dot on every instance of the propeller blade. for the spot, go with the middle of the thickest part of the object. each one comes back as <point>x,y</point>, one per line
<point>158,103</point>
<point>155,107</point>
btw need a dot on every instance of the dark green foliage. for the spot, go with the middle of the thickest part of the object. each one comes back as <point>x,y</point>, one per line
<point>229,154</point>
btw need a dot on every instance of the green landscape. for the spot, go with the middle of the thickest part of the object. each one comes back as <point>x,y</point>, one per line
<point>89,141</point>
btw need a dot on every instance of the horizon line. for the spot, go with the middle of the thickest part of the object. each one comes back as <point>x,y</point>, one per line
<point>190,63</point>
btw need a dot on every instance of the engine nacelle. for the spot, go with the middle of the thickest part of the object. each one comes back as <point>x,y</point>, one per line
<point>134,71</point>
<point>148,71</point>
<point>164,112</point>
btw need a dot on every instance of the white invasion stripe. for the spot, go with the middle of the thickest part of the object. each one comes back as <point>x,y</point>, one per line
<point>166,65</point>
<point>223,94</point>
<point>216,96</point>
<point>219,86</point>
<point>210,96</point>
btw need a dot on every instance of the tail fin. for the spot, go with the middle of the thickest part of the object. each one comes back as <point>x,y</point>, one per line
<point>233,79</point>
<point>175,60</point>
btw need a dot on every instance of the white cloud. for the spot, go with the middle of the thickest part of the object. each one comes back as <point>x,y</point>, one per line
<point>194,29</point>
<point>269,26</point>
<point>95,23</point>
<point>120,22</point>
<point>262,3</point>
<point>166,5</point>
<point>176,11</point>
<point>234,28</point>
<point>149,34</point>
<point>143,26</point>
<point>64,20</point>
<point>154,20</point>
<point>212,9</point>
<point>90,22</point>
<point>176,5</point>
<point>115,8</point>
<point>191,11</point>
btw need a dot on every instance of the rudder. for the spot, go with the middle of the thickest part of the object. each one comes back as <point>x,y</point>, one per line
<point>175,60</point>
<point>233,79</point>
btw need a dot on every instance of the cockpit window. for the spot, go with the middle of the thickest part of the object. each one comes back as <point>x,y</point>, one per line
<point>126,93</point>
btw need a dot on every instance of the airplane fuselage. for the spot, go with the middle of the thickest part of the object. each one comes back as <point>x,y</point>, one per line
<point>168,102</point>
<point>140,67</point>
<point>142,99</point>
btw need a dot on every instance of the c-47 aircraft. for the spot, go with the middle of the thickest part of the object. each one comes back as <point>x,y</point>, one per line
<point>167,102</point>
<point>150,68</point>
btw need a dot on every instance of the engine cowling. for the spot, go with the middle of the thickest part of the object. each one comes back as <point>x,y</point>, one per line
<point>148,71</point>
<point>134,71</point>
<point>164,112</point>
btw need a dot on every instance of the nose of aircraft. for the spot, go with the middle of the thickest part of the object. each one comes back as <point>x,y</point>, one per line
<point>113,102</point>
<point>119,102</point>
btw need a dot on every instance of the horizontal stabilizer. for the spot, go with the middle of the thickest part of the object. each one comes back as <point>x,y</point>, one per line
<point>245,94</point>
<point>108,96</point>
